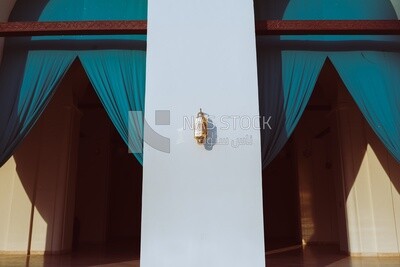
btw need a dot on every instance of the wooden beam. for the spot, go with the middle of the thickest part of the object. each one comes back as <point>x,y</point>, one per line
<point>347,27</point>
<point>267,27</point>
<point>72,28</point>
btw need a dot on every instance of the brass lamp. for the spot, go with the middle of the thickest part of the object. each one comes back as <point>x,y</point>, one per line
<point>200,128</point>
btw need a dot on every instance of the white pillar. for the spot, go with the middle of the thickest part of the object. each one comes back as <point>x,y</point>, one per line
<point>202,207</point>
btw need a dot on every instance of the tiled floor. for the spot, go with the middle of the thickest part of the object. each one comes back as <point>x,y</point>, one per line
<point>316,256</point>
<point>114,255</point>
<point>311,256</point>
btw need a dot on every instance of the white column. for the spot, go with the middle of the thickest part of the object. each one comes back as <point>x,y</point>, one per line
<point>202,207</point>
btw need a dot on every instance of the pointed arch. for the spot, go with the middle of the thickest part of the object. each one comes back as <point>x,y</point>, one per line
<point>118,78</point>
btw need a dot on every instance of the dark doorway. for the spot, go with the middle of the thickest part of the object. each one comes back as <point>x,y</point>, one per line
<point>108,185</point>
<point>281,201</point>
<point>302,184</point>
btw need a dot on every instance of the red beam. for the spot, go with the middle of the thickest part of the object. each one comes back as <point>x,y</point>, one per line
<point>303,27</point>
<point>268,27</point>
<point>72,28</point>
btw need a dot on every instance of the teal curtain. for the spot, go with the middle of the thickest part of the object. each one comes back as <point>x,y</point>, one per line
<point>286,82</point>
<point>287,79</point>
<point>373,79</point>
<point>22,105</point>
<point>119,80</point>
<point>33,66</point>
<point>118,77</point>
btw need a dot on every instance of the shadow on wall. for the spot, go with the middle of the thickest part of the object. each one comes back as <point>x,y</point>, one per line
<point>366,137</point>
<point>280,201</point>
<point>390,165</point>
<point>386,160</point>
<point>29,156</point>
<point>42,170</point>
<point>270,69</point>
<point>281,215</point>
<point>341,166</point>
<point>40,163</point>
<point>212,136</point>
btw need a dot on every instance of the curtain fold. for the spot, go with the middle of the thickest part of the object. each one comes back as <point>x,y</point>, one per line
<point>286,82</point>
<point>118,78</point>
<point>23,104</point>
<point>23,96</point>
<point>373,80</point>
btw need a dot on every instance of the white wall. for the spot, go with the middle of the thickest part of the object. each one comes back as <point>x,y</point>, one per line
<point>202,207</point>
<point>367,179</point>
<point>58,136</point>
<point>371,184</point>
<point>37,184</point>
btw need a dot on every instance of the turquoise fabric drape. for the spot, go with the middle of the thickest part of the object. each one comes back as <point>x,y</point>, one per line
<point>118,76</point>
<point>45,59</point>
<point>21,106</point>
<point>119,80</point>
<point>373,79</point>
<point>286,80</point>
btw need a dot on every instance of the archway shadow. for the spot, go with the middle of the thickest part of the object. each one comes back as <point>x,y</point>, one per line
<point>354,139</point>
<point>369,138</point>
<point>11,64</point>
<point>388,162</point>
<point>27,155</point>
<point>265,9</point>
<point>284,183</point>
<point>35,159</point>
<point>318,168</point>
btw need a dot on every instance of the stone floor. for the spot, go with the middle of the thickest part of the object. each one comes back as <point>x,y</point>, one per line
<point>310,256</point>
<point>316,256</point>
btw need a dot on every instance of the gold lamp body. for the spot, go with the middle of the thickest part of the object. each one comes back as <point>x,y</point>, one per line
<point>200,128</point>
